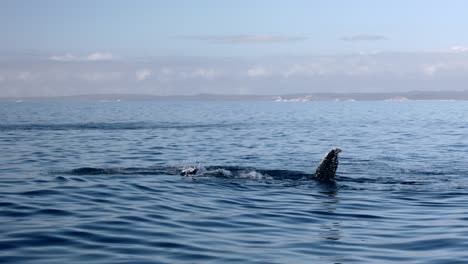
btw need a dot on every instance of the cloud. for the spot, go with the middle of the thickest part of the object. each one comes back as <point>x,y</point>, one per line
<point>166,71</point>
<point>143,74</point>
<point>376,72</point>
<point>364,37</point>
<point>244,39</point>
<point>258,71</point>
<point>431,69</point>
<point>100,56</point>
<point>24,76</point>
<point>96,56</point>
<point>205,73</point>
<point>441,68</point>
<point>459,49</point>
<point>66,57</point>
<point>304,69</point>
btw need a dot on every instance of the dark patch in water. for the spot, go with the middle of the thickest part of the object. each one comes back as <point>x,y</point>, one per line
<point>41,193</point>
<point>234,172</point>
<point>110,126</point>
<point>53,212</point>
<point>61,179</point>
<point>211,171</point>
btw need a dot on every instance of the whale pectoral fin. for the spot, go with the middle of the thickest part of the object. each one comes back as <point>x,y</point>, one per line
<point>326,170</point>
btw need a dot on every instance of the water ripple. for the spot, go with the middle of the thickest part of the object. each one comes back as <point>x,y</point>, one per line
<point>101,183</point>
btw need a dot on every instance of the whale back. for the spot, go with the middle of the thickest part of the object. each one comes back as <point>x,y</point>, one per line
<point>326,170</point>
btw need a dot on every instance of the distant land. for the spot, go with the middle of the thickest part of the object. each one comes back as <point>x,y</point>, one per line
<point>306,97</point>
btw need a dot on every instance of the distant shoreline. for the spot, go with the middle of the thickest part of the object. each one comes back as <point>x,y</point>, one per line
<point>299,97</point>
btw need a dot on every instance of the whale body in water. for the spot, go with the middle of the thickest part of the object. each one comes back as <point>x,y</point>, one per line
<point>325,172</point>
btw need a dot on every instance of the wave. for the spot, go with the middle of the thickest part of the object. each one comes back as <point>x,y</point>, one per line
<point>238,172</point>
<point>201,171</point>
<point>109,126</point>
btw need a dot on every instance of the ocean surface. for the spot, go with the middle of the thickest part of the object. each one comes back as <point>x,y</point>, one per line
<point>101,183</point>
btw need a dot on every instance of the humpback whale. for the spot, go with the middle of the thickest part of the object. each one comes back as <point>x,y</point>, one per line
<point>189,171</point>
<point>325,172</point>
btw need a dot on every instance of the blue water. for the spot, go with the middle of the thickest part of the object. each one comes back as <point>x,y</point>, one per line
<point>100,183</point>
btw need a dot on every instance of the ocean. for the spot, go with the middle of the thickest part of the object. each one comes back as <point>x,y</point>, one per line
<point>100,182</point>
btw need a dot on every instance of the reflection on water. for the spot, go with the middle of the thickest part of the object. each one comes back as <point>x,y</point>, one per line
<point>331,230</point>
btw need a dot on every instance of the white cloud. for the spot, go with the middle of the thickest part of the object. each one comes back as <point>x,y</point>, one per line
<point>309,69</point>
<point>96,56</point>
<point>205,73</point>
<point>143,74</point>
<point>431,69</point>
<point>24,76</point>
<point>459,49</point>
<point>259,71</point>
<point>100,56</point>
<point>66,57</point>
<point>267,75</point>
<point>445,67</point>
<point>2,78</point>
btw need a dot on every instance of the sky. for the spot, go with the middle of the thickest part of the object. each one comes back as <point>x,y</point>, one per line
<point>64,47</point>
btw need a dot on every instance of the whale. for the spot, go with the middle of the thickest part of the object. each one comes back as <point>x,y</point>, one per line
<point>326,170</point>
<point>190,171</point>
